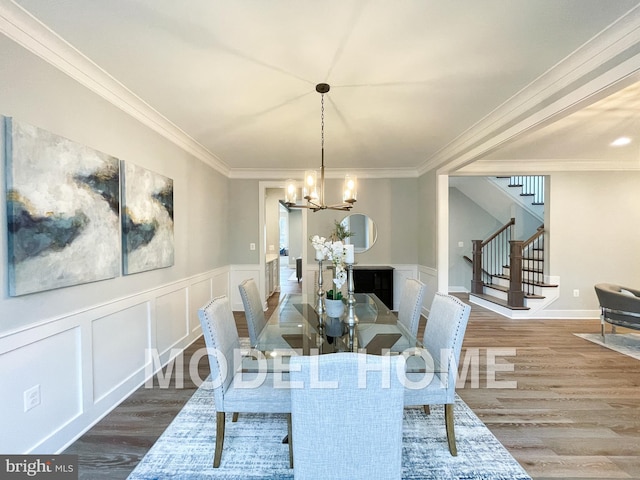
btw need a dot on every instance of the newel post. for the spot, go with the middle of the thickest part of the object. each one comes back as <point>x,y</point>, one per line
<point>476,280</point>
<point>515,296</point>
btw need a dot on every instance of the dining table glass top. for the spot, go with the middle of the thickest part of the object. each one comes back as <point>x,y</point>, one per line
<point>295,328</point>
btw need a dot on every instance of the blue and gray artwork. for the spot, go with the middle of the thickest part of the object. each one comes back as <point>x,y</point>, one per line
<point>62,211</point>
<point>147,219</point>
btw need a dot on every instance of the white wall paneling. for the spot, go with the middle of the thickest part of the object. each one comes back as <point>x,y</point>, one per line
<point>199,295</point>
<point>53,365</point>
<point>428,276</point>
<point>117,357</point>
<point>86,362</point>
<point>172,320</point>
<point>238,274</point>
<point>400,275</point>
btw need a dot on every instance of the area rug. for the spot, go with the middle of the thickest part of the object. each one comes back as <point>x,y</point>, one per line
<point>625,343</point>
<point>253,447</point>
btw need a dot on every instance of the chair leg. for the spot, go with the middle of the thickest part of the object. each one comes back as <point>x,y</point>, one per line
<point>448,421</point>
<point>235,417</point>
<point>290,440</point>
<point>219,438</point>
<point>427,410</point>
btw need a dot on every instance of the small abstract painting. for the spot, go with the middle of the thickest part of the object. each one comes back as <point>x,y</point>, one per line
<point>147,219</point>
<point>63,203</point>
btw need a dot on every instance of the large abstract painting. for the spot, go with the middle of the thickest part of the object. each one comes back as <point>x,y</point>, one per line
<point>63,202</point>
<point>147,219</point>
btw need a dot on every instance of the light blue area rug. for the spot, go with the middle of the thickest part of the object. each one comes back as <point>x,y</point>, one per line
<point>253,447</point>
<point>625,343</point>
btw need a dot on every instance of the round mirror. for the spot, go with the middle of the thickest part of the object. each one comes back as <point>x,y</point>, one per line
<point>363,229</point>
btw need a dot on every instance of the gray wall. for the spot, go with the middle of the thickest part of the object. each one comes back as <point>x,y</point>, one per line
<point>467,222</point>
<point>594,233</point>
<point>427,215</point>
<point>391,203</point>
<point>34,92</point>
<point>243,216</point>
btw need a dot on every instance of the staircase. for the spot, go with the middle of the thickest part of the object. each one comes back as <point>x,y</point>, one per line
<point>508,275</point>
<point>530,185</point>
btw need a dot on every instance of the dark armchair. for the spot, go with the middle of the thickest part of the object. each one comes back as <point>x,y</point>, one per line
<point>620,306</point>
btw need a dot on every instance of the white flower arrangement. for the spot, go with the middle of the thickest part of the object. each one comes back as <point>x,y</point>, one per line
<point>335,252</point>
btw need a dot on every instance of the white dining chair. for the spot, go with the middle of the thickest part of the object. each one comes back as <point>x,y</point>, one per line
<point>252,308</point>
<point>344,429</point>
<point>442,341</point>
<point>410,306</point>
<point>231,396</point>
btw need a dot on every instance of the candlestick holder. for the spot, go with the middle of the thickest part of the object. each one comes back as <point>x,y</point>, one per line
<point>352,341</point>
<point>320,309</point>
<point>352,319</point>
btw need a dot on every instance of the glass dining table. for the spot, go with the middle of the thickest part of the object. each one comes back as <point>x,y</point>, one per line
<point>295,328</point>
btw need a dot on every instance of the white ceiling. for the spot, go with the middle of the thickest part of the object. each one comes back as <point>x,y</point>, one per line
<point>407,77</point>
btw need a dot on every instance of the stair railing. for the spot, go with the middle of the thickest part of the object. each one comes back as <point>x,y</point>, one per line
<point>532,249</point>
<point>532,186</point>
<point>490,256</point>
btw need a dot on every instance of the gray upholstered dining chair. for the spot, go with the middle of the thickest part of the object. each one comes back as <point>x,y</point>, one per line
<point>442,341</point>
<point>222,341</point>
<point>252,308</point>
<point>410,306</point>
<point>346,430</point>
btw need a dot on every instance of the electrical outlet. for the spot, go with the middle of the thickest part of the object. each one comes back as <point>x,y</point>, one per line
<point>460,244</point>
<point>576,292</point>
<point>272,248</point>
<point>31,398</point>
<point>252,246</point>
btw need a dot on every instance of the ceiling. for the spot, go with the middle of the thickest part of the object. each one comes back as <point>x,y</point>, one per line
<point>407,78</point>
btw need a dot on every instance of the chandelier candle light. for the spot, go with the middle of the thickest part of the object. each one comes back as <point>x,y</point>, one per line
<point>313,190</point>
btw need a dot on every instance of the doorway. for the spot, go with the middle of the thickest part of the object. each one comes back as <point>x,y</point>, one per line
<point>291,250</point>
<point>283,234</point>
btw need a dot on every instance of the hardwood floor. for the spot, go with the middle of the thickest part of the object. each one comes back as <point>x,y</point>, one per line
<point>574,414</point>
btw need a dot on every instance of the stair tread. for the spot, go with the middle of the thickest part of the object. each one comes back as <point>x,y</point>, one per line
<point>506,289</point>
<point>497,301</point>
<point>537,284</point>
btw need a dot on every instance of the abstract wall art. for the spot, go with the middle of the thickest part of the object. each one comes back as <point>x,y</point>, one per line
<point>63,202</point>
<point>147,219</point>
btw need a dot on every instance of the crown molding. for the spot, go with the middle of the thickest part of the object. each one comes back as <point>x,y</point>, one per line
<point>610,57</point>
<point>27,31</point>
<point>331,173</point>
<point>544,166</point>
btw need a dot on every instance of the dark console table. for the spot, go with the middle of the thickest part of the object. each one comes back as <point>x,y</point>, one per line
<point>378,280</point>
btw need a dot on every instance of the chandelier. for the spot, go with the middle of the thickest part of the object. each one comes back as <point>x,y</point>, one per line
<point>313,189</point>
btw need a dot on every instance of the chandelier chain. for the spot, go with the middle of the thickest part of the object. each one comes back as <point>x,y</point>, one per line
<point>322,121</point>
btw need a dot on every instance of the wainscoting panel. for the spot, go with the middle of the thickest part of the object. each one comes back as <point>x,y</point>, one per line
<point>171,320</point>
<point>116,356</point>
<point>200,294</point>
<point>400,275</point>
<point>87,362</point>
<point>238,274</point>
<point>428,276</point>
<point>221,285</point>
<point>52,367</point>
